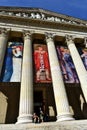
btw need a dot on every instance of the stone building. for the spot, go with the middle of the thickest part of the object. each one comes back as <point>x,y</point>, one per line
<point>43,60</point>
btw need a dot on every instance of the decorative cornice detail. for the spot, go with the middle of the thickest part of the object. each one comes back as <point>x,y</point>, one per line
<point>42,16</point>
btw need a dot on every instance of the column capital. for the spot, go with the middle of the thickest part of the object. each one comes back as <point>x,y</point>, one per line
<point>85,41</point>
<point>49,36</point>
<point>69,39</point>
<point>3,32</point>
<point>27,34</point>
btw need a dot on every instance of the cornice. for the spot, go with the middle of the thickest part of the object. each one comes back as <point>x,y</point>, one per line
<point>40,14</point>
<point>6,19</point>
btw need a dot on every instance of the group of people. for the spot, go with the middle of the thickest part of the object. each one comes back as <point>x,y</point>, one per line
<point>42,117</point>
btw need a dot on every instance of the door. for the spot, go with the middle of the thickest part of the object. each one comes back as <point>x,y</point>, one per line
<point>38,101</point>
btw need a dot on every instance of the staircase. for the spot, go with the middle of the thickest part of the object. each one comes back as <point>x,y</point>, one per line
<point>66,125</point>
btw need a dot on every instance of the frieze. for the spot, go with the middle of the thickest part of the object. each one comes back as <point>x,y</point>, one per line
<point>41,16</point>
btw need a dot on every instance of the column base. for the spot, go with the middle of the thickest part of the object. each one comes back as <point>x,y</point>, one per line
<point>24,119</point>
<point>66,117</point>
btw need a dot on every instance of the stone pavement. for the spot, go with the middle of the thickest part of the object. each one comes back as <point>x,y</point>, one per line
<point>65,125</point>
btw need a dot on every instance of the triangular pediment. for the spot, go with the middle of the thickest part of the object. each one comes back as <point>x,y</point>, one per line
<point>40,14</point>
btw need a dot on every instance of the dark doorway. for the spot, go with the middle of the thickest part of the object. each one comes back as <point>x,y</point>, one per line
<point>38,101</point>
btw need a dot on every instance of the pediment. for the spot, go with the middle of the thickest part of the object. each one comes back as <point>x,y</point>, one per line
<point>40,14</point>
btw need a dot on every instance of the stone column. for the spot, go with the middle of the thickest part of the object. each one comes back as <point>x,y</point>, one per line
<point>26,93</point>
<point>85,41</point>
<point>62,105</point>
<point>3,43</point>
<point>80,68</point>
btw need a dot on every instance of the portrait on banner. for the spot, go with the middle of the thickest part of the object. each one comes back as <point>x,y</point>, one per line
<point>83,54</point>
<point>67,65</point>
<point>11,71</point>
<point>41,62</point>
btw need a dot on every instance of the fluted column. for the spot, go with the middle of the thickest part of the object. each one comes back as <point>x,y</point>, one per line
<point>62,105</point>
<point>3,43</point>
<point>80,68</point>
<point>85,41</point>
<point>26,94</point>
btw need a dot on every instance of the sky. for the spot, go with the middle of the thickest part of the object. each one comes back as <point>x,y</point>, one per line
<point>75,8</point>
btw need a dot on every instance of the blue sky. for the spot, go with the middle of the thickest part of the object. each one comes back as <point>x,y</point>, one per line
<point>75,8</point>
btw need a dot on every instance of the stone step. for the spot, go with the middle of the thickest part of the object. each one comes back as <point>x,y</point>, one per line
<point>65,125</point>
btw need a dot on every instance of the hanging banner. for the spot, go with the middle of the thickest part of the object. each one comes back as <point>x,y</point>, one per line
<point>42,67</point>
<point>67,66</point>
<point>11,71</point>
<point>83,53</point>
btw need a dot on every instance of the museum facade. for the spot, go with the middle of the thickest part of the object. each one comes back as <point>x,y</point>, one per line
<point>43,62</point>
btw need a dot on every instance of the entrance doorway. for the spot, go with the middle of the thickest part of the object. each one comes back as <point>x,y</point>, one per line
<point>38,101</point>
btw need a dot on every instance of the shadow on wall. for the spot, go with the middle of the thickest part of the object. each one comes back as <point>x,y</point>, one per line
<point>3,108</point>
<point>12,92</point>
<point>78,105</point>
<point>83,106</point>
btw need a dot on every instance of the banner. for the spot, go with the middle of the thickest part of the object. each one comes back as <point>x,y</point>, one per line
<point>11,71</point>
<point>42,68</point>
<point>83,53</point>
<point>67,66</point>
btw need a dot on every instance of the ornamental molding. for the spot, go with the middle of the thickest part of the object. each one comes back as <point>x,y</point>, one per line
<point>49,35</point>
<point>69,39</point>
<point>41,14</point>
<point>27,34</point>
<point>4,32</point>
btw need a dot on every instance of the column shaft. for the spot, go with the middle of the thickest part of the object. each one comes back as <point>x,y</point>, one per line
<point>3,43</point>
<point>26,94</point>
<point>80,68</point>
<point>62,105</point>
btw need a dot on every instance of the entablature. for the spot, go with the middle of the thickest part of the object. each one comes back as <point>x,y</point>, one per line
<point>32,16</point>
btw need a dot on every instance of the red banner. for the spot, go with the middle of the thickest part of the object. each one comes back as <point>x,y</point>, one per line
<point>42,67</point>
